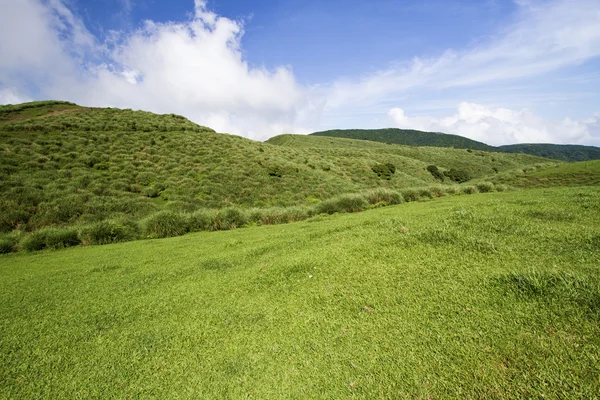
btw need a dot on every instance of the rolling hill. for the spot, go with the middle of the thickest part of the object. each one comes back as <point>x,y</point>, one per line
<point>64,165</point>
<point>419,138</point>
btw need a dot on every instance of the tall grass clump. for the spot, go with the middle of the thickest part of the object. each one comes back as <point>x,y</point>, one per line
<point>411,194</point>
<point>344,203</point>
<point>61,238</point>
<point>164,224</point>
<point>384,196</point>
<point>469,189</point>
<point>202,220</point>
<point>485,187</point>
<point>279,215</point>
<point>230,218</point>
<point>33,242</point>
<point>9,243</point>
<point>109,231</point>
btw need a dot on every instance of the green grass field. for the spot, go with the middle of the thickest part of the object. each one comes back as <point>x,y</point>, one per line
<point>495,295</point>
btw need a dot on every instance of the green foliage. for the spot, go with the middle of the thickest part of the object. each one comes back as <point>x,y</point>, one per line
<point>109,231</point>
<point>60,238</point>
<point>345,203</point>
<point>411,137</point>
<point>457,175</point>
<point>411,194</point>
<point>202,220</point>
<point>275,171</point>
<point>384,171</point>
<point>230,218</point>
<point>34,241</point>
<point>485,187</point>
<point>469,189</point>
<point>409,301</point>
<point>383,195</point>
<point>165,224</point>
<point>435,172</point>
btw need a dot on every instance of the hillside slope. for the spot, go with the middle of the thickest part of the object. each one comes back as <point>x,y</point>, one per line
<point>412,137</point>
<point>62,164</point>
<point>467,297</point>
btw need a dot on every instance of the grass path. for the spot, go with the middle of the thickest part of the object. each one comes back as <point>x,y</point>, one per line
<point>489,296</point>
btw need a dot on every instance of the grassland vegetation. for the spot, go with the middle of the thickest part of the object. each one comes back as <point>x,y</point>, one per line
<point>494,295</point>
<point>112,175</point>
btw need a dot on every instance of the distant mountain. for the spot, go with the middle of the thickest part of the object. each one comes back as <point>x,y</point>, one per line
<point>410,137</point>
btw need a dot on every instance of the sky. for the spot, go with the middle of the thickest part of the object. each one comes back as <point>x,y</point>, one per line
<point>497,71</point>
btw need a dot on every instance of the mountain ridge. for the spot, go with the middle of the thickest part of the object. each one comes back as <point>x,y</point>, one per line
<point>412,137</point>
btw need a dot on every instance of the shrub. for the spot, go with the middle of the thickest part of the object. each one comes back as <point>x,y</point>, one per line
<point>150,192</point>
<point>275,171</point>
<point>437,191</point>
<point>164,224</point>
<point>33,242</point>
<point>426,193</point>
<point>108,231</point>
<point>382,195</point>
<point>384,171</point>
<point>230,218</point>
<point>61,238</point>
<point>344,203</point>
<point>501,188</point>
<point>411,194</point>
<point>469,189</point>
<point>272,216</point>
<point>456,175</point>
<point>8,244</point>
<point>202,220</point>
<point>485,187</point>
<point>435,172</point>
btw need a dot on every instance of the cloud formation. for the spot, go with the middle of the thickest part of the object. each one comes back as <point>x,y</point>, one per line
<point>194,68</point>
<point>498,126</point>
<point>545,36</point>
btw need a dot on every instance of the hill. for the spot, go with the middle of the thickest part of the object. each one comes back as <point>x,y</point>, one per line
<point>64,165</point>
<point>466,297</point>
<point>419,138</point>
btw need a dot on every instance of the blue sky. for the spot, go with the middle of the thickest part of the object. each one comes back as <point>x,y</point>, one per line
<point>499,71</point>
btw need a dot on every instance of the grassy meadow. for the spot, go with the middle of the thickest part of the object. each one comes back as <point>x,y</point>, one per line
<point>72,175</point>
<point>495,295</point>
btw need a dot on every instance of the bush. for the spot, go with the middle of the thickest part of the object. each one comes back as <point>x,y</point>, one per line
<point>8,244</point>
<point>33,242</point>
<point>435,172</point>
<point>469,190</point>
<point>344,203</point>
<point>437,191</point>
<point>458,175</point>
<point>501,188</point>
<point>164,224</point>
<point>61,238</point>
<point>384,171</point>
<point>272,216</point>
<point>411,195</point>
<point>109,231</point>
<point>202,220</point>
<point>150,192</point>
<point>230,218</point>
<point>275,171</point>
<point>485,187</point>
<point>382,195</point>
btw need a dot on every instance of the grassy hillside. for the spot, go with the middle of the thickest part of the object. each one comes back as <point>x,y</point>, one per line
<point>548,175</point>
<point>418,138</point>
<point>489,296</point>
<point>106,171</point>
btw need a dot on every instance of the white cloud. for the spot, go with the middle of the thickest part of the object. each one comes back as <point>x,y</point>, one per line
<point>498,126</point>
<point>545,36</point>
<point>194,68</point>
<point>9,96</point>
